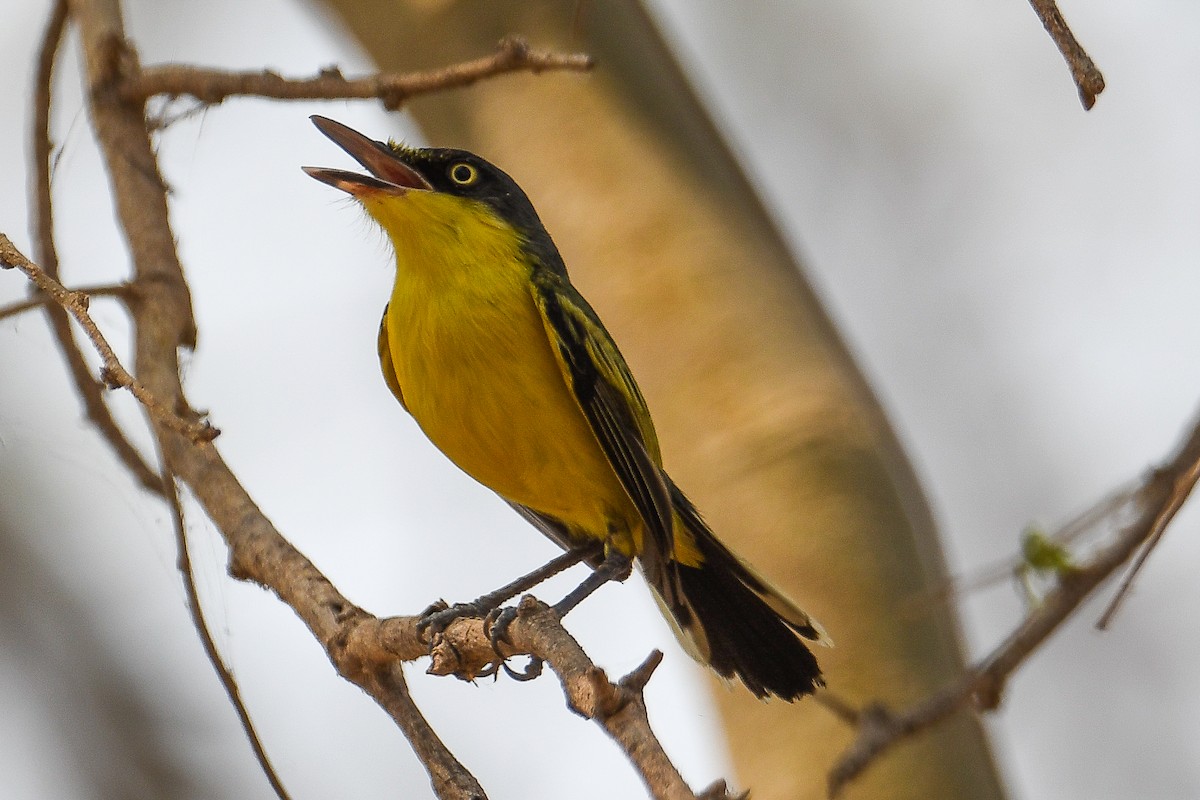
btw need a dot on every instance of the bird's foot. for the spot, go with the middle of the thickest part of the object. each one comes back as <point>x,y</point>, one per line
<point>496,625</point>
<point>435,619</point>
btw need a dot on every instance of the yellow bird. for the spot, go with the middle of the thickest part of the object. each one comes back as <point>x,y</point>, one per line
<point>510,373</point>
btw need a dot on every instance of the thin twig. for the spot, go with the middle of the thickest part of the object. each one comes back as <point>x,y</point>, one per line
<point>114,374</point>
<point>228,682</point>
<point>840,708</point>
<point>210,86</point>
<point>40,198</point>
<point>1160,497</point>
<point>1084,71</point>
<point>1085,522</point>
<point>1180,489</point>
<point>46,254</point>
<point>40,300</point>
<point>449,778</point>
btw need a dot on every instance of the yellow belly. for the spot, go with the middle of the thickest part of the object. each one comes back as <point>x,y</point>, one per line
<point>479,376</point>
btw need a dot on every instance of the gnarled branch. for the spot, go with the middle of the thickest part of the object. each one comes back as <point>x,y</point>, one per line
<point>465,650</point>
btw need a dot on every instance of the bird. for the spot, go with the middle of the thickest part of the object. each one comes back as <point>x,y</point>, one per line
<point>509,372</point>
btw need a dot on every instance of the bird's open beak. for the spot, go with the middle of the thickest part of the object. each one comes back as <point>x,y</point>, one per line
<point>389,175</point>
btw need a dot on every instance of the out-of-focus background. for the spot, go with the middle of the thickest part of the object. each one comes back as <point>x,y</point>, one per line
<point>1018,279</point>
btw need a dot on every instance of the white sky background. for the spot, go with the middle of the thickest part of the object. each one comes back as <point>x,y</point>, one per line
<point>1019,278</point>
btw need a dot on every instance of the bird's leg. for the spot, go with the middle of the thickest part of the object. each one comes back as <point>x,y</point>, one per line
<point>438,616</point>
<point>614,567</point>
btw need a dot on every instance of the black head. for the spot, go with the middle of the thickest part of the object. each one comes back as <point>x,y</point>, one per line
<point>464,174</point>
<point>397,169</point>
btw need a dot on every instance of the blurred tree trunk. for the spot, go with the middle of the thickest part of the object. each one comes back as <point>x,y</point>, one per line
<point>764,418</point>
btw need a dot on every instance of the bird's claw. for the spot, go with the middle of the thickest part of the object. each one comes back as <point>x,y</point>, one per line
<point>432,608</point>
<point>531,671</point>
<point>496,625</point>
<point>439,615</point>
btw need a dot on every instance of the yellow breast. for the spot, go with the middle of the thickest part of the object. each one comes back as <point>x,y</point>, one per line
<point>478,374</point>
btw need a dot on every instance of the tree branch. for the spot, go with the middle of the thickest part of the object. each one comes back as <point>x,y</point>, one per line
<point>465,650</point>
<point>41,300</point>
<point>46,254</point>
<point>1181,487</point>
<point>620,709</point>
<point>1157,500</point>
<point>115,375</point>
<point>228,682</point>
<point>209,86</point>
<point>1084,71</point>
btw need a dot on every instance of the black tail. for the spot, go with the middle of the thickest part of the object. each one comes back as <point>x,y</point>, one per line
<point>732,619</point>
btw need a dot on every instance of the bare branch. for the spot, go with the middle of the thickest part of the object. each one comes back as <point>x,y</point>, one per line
<point>39,193</point>
<point>1181,487</point>
<point>1159,498</point>
<point>114,374</point>
<point>42,301</point>
<point>513,54</point>
<point>1089,520</point>
<point>466,650</point>
<point>228,682</point>
<point>45,253</point>
<point>1084,71</point>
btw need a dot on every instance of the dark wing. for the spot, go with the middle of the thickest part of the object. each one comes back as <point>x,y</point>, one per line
<point>599,379</point>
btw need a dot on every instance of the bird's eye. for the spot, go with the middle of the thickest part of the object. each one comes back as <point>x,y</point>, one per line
<point>463,173</point>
